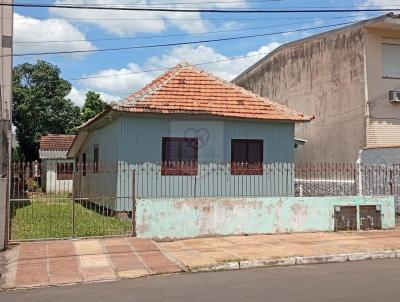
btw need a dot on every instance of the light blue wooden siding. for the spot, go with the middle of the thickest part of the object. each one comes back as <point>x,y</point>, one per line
<point>142,137</point>
<point>141,142</point>
<point>134,142</point>
<point>101,187</point>
<point>278,138</point>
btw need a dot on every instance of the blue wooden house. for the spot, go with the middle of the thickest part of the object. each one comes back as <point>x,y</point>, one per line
<point>187,133</point>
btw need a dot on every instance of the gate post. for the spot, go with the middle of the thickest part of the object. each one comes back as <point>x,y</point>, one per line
<point>4,213</point>
<point>74,175</point>
<point>133,203</point>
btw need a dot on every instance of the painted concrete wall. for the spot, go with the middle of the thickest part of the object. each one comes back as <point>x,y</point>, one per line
<point>51,183</point>
<point>380,156</point>
<point>6,63</point>
<point>183,218</point>
<point>322,76</point>
<point>383,124</point>
<point>3,213</point>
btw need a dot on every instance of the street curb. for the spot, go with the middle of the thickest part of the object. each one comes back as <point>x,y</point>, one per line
<point>292,261</point>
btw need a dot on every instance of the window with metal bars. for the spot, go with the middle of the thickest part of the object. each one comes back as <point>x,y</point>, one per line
<point>65,171</point>
<point>179,156</point>
<point>246,157</point>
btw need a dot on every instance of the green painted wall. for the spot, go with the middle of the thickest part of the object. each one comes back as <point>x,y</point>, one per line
<point>184,218</point>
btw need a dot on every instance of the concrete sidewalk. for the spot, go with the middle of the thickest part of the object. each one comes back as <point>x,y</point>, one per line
<point>261,250</point>
<point>95,260</point>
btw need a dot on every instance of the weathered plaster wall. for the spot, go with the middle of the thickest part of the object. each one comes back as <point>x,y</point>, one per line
<point>323,77</point>
<point>183,218</point>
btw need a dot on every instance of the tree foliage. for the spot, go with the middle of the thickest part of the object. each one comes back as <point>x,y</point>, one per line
<point>40,105</point>
<point>93,105</point>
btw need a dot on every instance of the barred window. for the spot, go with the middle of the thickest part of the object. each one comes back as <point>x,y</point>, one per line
<point>65,171</point>
<point>179,156</point>
<point>246,157</point>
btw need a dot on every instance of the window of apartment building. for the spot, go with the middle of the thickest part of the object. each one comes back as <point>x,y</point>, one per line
<point>179,156</point>
<point>246,157</point>
<point>96,158</point>
<point>65,171</point>
<point>391,58</point>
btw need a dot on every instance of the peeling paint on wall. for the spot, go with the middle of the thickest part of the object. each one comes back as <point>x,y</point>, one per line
<point>185,218</point>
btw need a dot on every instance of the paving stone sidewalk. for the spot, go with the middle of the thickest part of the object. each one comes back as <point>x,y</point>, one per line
<point>65,262</point>
<point>52,263</point>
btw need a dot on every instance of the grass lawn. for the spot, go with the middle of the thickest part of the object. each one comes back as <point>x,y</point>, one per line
<point>53,219</point>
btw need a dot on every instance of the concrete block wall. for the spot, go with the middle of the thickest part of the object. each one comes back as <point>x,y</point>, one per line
<point>196,217</point>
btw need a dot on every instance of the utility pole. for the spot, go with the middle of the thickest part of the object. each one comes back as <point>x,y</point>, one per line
<point>6,29</point>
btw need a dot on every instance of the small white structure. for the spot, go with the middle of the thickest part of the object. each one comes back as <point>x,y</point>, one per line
<point>57,169</point>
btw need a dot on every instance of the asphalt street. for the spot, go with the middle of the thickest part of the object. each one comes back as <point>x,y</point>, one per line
<point>376,280</point>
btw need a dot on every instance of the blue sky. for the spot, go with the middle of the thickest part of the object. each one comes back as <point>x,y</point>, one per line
<point>118,73</point>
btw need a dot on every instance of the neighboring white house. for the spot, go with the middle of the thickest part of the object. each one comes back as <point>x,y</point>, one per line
<point>57,168</point>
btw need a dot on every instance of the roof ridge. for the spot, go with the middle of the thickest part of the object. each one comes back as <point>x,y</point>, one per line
<point>154,85</point>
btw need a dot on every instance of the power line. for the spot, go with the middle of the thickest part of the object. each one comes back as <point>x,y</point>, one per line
<point>163,36</point>
<point>173,44</point>
<point>184,19</point>
<point>168,68</point>
<point>188,10</point>
<point>184,3</point>
<point>198,64</point>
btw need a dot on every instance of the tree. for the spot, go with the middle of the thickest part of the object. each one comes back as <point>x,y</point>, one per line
<point>40,105</point>
<point>93,105</point>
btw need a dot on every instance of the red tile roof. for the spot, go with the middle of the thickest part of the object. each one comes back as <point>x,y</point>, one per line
<point>56,142</point>
<point>185,89</point>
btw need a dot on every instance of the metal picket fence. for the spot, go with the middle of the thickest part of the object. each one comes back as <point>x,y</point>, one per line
<point>61,199</point>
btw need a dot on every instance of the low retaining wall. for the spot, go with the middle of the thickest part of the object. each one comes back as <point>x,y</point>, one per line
<point>195,217</point>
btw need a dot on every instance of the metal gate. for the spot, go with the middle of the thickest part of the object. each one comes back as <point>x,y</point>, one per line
<point>62,200</point>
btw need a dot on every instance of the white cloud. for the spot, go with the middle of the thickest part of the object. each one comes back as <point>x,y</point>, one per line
<point>226,69</point>
<point>28,29</point>
<point>377,4</point>
<point>127,23</point>
<point>118,81</point>
<point>127,80</point>
<point>78,96</point>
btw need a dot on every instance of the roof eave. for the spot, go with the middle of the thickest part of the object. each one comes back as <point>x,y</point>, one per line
<point>303,119</point>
